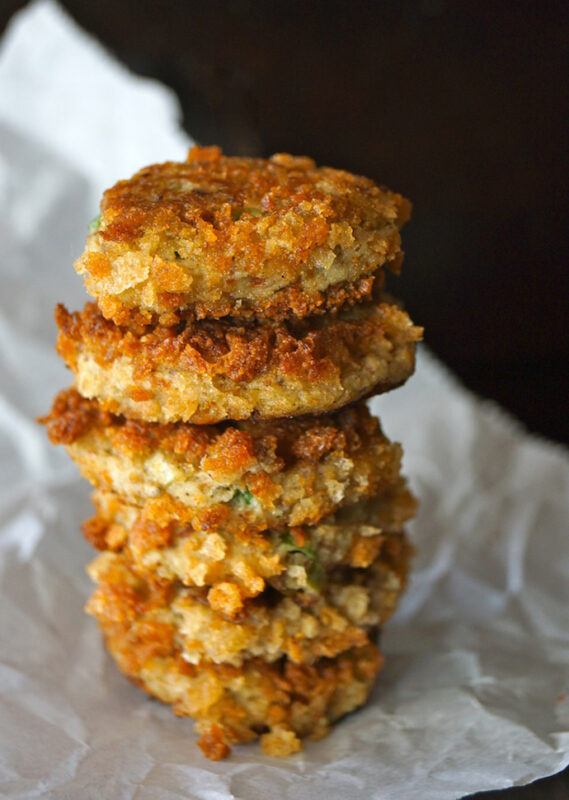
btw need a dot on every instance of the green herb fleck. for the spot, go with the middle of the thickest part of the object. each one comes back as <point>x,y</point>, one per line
<point>95,224</point>
<point>177,254</point>
<point>292,547</point>
<point>253,212</point>
<point>316,577</point>
<point>245,496</point>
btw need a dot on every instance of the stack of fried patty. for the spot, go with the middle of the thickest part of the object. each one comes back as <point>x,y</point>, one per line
<point>249,510</point>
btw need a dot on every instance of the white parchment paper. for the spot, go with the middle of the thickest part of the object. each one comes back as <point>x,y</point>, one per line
<point>474,692</point>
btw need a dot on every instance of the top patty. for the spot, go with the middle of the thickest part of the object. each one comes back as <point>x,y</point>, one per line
<point>218,235</point>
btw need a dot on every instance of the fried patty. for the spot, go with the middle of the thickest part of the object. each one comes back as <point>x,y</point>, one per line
<point>234,567</point>
<point>280,702</point>
<point>217,235</point>
<point>210,371</point>
<point>350,606</point>
<point>251,473</point>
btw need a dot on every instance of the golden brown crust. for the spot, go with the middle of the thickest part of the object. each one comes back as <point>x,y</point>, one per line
<point>237,565</point>
<point>250,474</point>
<point>246,566</point>
<point>351,604</point>
<point>215,370</point>
<point>279,702</point>
<point>217,236</point>
<point>227,445</point>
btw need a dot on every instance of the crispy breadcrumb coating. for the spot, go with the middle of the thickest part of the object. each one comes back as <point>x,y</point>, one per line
<point>215,370</point>
<point>217,235</point>
<point>281,702</point>
<point>351,604</point>
<point>253,473</point>
<point>249,510</point>
<point>236,565</point>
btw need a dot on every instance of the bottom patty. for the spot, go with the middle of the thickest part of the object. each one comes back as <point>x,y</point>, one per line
<point>280,702</point>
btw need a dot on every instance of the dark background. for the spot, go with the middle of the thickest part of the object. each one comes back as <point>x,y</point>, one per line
<point>461,106</point>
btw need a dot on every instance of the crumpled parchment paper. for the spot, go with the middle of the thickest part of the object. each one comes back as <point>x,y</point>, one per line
<point>473,695</point>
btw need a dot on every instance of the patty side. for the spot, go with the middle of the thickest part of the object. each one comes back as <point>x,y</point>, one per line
<point>281,702</point>
<point>234,566</point>
<point>351,605</point>
<point>253,473</point>
<point>216,370</point>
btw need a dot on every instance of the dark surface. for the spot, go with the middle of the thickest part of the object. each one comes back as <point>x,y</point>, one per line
<point>462,106</point>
